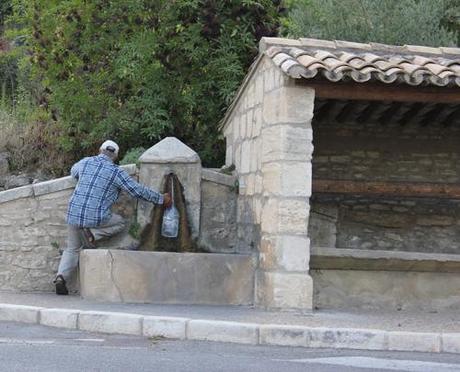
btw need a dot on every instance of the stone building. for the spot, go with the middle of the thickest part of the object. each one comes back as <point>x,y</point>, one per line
<point>347,157</point>
<point>346,192</point>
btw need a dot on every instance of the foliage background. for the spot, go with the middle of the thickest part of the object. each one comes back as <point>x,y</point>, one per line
<point>398,22</point>
<point>135,71</point>
<point>75,72</point>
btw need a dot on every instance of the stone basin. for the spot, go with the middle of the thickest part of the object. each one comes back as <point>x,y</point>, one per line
<point>167,278</point>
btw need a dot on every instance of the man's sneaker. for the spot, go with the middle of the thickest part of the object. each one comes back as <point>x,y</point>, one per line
<point>61,288</point>
<point>88,238</point>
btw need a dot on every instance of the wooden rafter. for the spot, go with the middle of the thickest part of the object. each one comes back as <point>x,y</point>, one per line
<point>377,188</point>
<point>382,92</point>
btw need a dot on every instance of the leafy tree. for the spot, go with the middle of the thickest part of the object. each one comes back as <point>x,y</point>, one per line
<point>417,22</point>
<point>138,70</point>
<point>5,11</point>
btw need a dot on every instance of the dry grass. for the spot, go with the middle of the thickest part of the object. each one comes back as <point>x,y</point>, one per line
<point>12,132</point>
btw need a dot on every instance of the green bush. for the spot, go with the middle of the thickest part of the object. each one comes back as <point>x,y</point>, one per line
<point>399,22</point>
<point>132,156</point>
<point>137,71</point>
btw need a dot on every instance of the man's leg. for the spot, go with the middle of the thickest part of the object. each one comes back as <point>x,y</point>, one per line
<point>110,228</point>
<point>69,259</point>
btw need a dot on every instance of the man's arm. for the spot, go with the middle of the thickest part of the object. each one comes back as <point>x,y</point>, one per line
<point>137,190</point>
<point>76,169</point>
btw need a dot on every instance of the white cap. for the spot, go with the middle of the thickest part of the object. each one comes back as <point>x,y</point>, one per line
<point>110,146</point>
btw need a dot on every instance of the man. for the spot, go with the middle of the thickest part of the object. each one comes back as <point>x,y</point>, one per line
<point>89,215</point>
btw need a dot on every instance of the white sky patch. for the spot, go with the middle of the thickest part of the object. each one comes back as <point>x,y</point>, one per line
<point>380,363</point>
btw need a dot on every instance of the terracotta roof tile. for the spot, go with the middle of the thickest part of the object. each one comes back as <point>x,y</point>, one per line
<point>341,60</point>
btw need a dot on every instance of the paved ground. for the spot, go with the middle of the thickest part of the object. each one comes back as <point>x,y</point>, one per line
<point>39,348</point>
<point>371,319</point>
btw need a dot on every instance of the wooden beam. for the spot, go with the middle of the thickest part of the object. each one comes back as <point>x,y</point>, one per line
<point>382,92</point>
<point>377,188</point>
<point>451,118</point>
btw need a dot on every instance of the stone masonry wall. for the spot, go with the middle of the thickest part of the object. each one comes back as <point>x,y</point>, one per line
<point>33,232</point>
<point>244,151</point>
<point>376,152</point>
<point>218,231</point>
<point>269,141</point>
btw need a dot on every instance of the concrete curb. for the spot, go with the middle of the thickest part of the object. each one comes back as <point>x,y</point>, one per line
<point>235,332</point>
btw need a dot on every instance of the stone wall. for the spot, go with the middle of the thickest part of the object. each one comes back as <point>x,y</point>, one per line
<point>386,224</point>
<point>392,153</point>
<point>33,231</point>
<point>386,152</point>
<point>218,232</point>
<point>268,136</point>
<point>390,290</point>
<point>244,150</point>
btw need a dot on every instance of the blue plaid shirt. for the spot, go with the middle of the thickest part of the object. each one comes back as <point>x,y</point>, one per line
<point>99,184</point>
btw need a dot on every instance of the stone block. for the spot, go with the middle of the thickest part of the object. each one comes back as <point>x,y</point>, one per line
<point>258,121</point>
<point>255,154</point>
<point>229,154</point>
<point>450,342</point>
<point>169,327</point>
<point>287,142</point>
<point>237,156</point>
<point>322,225</point>
<point>218,217</point>
<point>19,313</point>
<point>222,331</point>
<point>259,180</point>
<point>250,187</point>
<point>414,341</point>
<point>218,177</point>
<point>164,277</point>
<point>283,335</point>
<point>285,216</point>
<point>347,338</point>
<point>289,105</point>
<point>397,289</point>
<point>17,193</point>
<point>245,157</point>
<point>287,179</point>
<point>169,150</point>
<point>283,290</point>
<point>285,252</point>
<point>109,322</point>
<point>235,124</point>
<point>62,318</point>
<point>259,86</point>
<point>242,121</point>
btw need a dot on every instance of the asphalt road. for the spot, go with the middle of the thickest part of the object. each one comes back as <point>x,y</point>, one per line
<point>38,348</point>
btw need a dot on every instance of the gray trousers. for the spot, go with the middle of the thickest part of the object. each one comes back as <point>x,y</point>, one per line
<point>71,254</point>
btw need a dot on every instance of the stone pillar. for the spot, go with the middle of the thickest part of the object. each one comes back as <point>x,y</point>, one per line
<point>171,155</point>
<point>283,280</point>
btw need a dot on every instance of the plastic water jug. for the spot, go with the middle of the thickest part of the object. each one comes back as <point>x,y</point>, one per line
<point>170,225</point>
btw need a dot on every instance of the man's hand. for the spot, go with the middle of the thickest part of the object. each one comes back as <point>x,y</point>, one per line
<point>167,201</point>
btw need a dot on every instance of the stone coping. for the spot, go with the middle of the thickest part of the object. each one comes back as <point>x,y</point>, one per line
<point>64,183</point>
<point>213,175</point>
<point>379,260</point>
<point>169,150</point>
<point>47,187</point>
